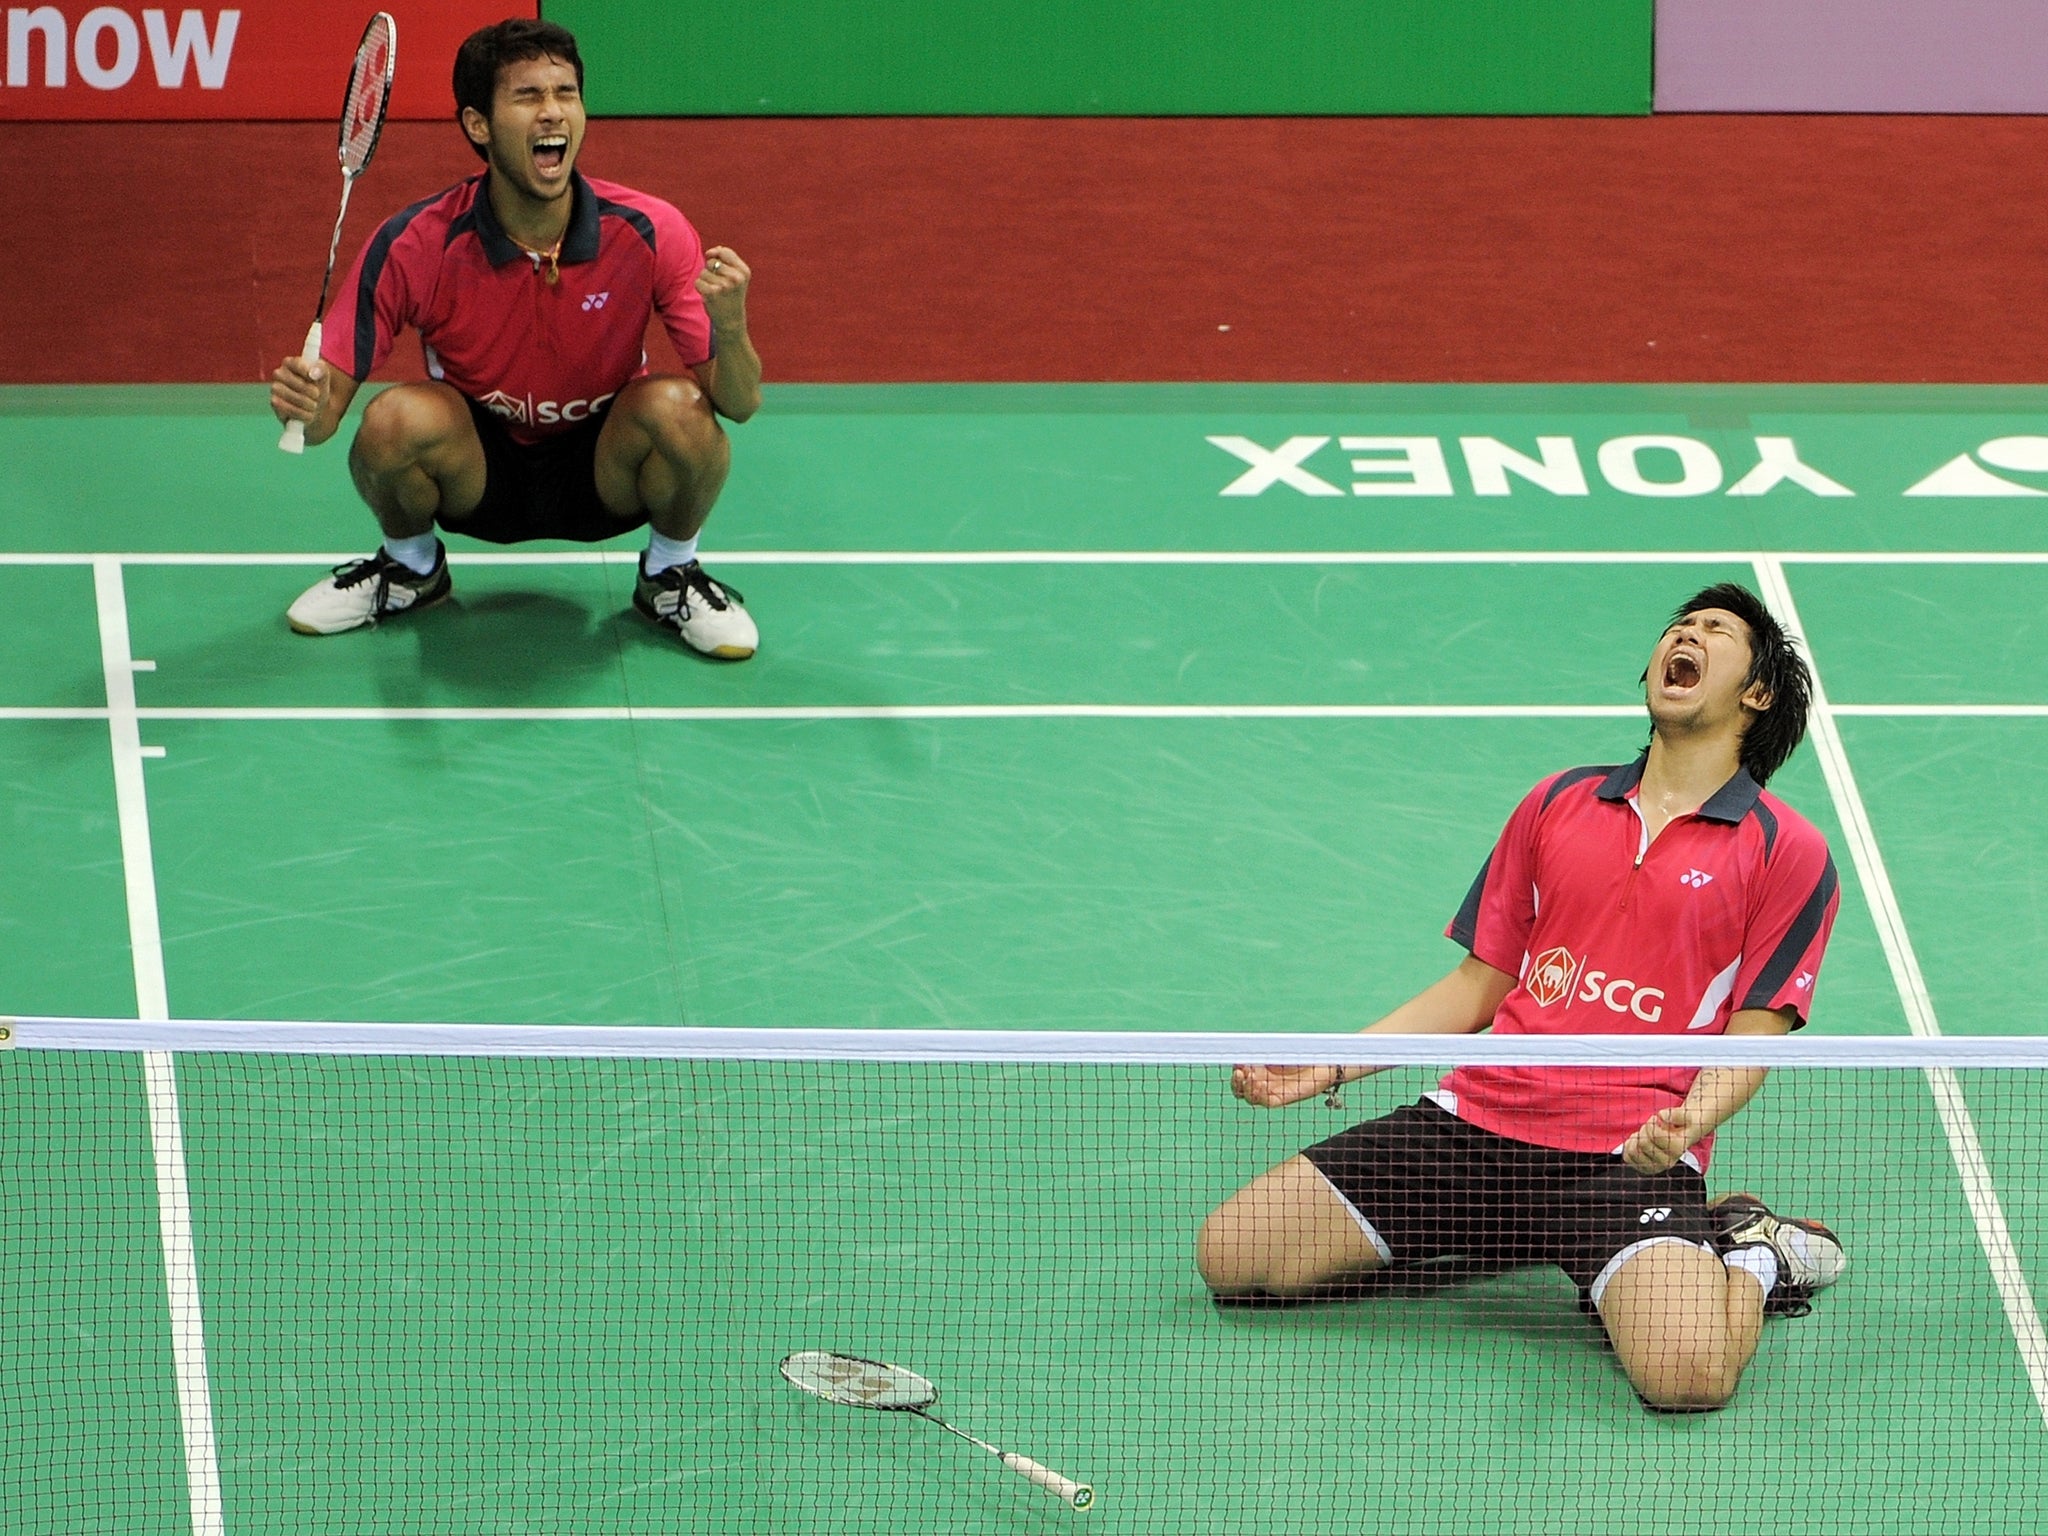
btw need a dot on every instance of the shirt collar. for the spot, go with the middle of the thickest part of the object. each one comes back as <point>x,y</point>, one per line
<point>579,241</point>
<point>1730,803</point>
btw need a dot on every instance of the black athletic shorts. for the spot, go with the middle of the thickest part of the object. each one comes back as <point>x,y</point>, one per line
<point>1430,1186</point>
<point>543,490</point>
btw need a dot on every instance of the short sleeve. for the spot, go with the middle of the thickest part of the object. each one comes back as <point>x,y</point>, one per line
<point>1499,912</point>
<point>373,306</point>
<point>678,258</point>
<point>1788,931</point>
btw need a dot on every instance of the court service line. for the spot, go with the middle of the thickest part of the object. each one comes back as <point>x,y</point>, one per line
<point>1083,557</point>
<point>1943,711</point>
<point>768,712</point>
<point>2021,1311</point>
<point>714,712</point>
<point>160,1081</point>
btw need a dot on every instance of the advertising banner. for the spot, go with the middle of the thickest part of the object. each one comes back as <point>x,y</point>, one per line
<point>1852,56</point>
<point>75,61</point>
<point>1095,58</point>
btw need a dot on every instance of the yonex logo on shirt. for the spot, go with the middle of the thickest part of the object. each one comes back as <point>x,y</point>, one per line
<point>1654,1213</point>
<point>1695,878</point>
<point>595,300</point>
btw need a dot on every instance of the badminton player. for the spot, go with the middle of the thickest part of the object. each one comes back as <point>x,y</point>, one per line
<point>532,287</point>
<point>1671,895</point>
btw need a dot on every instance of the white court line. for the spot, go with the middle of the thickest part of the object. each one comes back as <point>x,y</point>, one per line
<point>931,712</point>
<point>166,1130</point>
<point>1944,711</point>
<point>713,712</point>
<point>1988,1211</point>
<point>1097,557</point>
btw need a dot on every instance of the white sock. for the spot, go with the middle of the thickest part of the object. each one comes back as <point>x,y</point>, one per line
<point>416,554</point>
<point>1760,1262</point>
<point>665,552</point>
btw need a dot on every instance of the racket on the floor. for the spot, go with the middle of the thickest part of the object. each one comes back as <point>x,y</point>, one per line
<point>857,1383</point>
<point>362,120</point>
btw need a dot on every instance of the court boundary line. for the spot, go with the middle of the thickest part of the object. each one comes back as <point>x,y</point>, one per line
<point>159,1072</point>
<point>1081,557</point>
<point>1987,1211</point>
<point>712,713</point>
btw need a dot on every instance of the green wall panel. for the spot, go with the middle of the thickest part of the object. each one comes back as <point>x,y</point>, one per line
<point>651,57</point>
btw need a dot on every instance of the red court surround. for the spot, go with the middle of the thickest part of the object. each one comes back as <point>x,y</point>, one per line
<point>1673,248</point>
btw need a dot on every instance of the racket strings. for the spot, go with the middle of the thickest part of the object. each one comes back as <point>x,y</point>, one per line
<point>369,93</point>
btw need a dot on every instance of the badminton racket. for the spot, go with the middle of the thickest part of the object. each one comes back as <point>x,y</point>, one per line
<point>362,121</point>
<point>856,1383</point>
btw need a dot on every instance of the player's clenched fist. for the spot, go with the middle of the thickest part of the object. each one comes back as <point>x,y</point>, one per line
<point>299,390</point>
<point>723,283</point>
<point>1663,1139</point>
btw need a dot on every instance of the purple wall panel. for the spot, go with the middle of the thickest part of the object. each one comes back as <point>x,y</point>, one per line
<point>1852,56</point>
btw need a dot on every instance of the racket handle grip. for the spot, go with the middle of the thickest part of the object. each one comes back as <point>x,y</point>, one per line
<point>293,439</point>
<point>1080,1495</point>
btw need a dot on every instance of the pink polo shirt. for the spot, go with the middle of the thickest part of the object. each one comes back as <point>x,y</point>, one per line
<point>1730,908</point>
<point>542,355</point>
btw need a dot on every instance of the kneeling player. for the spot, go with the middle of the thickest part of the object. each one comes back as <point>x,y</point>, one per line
<point>1703,905</point>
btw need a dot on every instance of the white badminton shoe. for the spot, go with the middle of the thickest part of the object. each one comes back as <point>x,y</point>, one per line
<point>705,612</point>
<point>364,591</point>
<point>1810,1257</point>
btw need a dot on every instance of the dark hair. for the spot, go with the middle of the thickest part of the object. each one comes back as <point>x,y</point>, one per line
<point>488,50</point>
<point>1775,664</point>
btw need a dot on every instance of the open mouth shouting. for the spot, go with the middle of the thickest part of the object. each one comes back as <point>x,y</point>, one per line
<point>551,155</point>
<point>1685,670</point>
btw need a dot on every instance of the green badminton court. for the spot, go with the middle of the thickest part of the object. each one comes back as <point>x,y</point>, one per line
<point>1152,709</point>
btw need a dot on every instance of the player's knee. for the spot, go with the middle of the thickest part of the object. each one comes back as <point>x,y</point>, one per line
<point>677,413</point>
<point>1223,1253</point>
<point>1686,1380</point>
<point>397,427</point>
<point>1235,1252</point>
<point>1214,1259</point>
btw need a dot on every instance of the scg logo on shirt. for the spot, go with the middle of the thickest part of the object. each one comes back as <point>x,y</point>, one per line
<point>1552,974</point>
<point>545,413</point>
<point>1623,996</point>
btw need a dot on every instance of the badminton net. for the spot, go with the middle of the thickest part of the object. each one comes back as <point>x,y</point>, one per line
<point>267,1277</point>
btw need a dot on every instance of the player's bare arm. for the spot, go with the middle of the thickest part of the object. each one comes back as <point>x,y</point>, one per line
<point>313,393</point>
<point>1461,1003</point>
<point>1718,1093</point>
<point>732,378</point>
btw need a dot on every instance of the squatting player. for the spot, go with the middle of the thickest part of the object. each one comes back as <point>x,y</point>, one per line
<point>1668,896</point>
<point>531,287</point>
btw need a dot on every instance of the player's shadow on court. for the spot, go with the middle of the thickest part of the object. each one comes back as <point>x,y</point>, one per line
<point>516,647</point>
<point>1409,1282</point>
<point>1517,1298</point>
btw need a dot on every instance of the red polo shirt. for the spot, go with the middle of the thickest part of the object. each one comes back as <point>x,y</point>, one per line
<point>542,355</point>
<point>1730,908</point>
